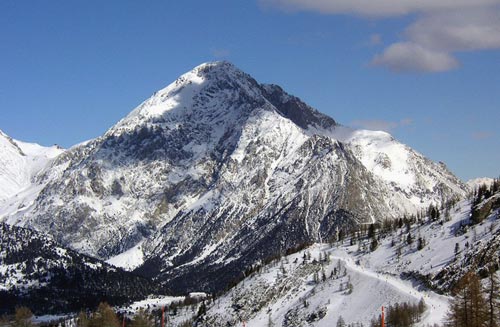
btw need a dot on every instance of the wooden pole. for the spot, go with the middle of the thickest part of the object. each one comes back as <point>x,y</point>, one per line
<point>383,318</point>
<point>162,316</point>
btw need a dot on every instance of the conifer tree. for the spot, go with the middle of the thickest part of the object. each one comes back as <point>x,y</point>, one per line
<point>409,239</point>
<point>269,321</point>
<point>142,319</point>
<point>22,317</point>
<point>420,243</point>
<point>373,244</point>
<point>493,299</point>
<point>104,317</point>
<point>457,249</point>
<point>341,322</point>
<point>82,320</point>
<point>468,308</point>
<point>371,231</point>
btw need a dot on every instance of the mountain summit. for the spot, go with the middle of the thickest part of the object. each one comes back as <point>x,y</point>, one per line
<point>20,162</point>
<point>216,172</point>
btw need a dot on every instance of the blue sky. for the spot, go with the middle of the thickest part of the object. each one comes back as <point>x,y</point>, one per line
<point>426,71</point>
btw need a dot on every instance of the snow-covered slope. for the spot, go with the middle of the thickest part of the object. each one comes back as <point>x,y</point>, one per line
<point>216,172</point>
<point>311,287</point>
<point>415,182</point>
<point>476,182</point>
<point>20,162</point>
<point>316,292</point>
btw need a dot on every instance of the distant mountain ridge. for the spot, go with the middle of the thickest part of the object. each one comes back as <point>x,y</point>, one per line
<point>215,172</point>
<point>476,182</point>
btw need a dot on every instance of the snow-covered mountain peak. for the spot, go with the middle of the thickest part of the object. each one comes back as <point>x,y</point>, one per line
<point>8,144</point>
<point>208,90</point>
<point>20,162</point>
<point>216,172</point>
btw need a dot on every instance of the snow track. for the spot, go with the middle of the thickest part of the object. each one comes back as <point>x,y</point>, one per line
<point>437,305</point>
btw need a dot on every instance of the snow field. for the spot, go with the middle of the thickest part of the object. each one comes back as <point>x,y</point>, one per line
<point>280,291</point>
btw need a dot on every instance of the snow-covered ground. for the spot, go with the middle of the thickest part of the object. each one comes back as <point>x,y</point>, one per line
<point>152,303</point>
<point>292,291</point>
<point>317,285</point>
<point>130,259</point>
<point>288,295</point>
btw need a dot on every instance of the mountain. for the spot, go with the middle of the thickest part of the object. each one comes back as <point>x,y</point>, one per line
<point>20,162</point>
<point>37,272</point>
<point>216,172</point>
<point>351,278</point>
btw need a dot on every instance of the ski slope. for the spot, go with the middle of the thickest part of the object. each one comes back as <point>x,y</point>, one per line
<point>291,291</point>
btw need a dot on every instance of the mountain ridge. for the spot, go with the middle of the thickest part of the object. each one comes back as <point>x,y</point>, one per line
<point>217,171</point>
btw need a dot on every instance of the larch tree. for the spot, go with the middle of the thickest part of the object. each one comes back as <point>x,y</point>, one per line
<point>493,299</point>
<point>104,317</point>
<point>142,319</point>
<point>22,317</point>
<point>468,308</point>
<point>82,320</point>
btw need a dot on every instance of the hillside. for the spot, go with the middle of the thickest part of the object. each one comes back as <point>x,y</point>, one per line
<point>317,285</point>
<point>37,272</point>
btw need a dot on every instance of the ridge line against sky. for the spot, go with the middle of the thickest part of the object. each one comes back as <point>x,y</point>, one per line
<point>427,71</point>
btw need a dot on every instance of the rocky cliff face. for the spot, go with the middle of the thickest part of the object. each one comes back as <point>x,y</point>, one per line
<point>216,172</point>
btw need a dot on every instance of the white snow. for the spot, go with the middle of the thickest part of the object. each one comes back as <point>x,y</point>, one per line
<point>153,302</point>
<point>371,291</point>
<point>20,162</point>
<point>283,286</point>
<point>130,259</point>
<point>476,182</point>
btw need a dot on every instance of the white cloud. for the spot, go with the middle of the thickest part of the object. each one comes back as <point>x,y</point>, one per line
<point>433,39</point>
<point>374,7</point>
<point>381,125</point>
<point>411,57</point>
<point>458,30</point>
<point>441,28</point>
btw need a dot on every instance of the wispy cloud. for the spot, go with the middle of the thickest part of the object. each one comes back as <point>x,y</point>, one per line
<point>381,125</point>
<point>380,8</point>
<point>482,135</point>
<point>309,38</point>
<point>375,39</point>
<point>220,53</point>
<point>441,28</point>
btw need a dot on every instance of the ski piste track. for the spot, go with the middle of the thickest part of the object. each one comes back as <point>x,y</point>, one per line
<point>436,305</point>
